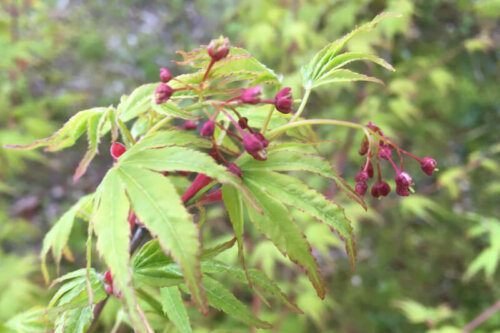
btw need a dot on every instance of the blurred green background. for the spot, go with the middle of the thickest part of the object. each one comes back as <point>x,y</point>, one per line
<point>426,263</point>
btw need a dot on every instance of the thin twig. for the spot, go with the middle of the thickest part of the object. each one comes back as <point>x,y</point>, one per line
<point>482,317</point>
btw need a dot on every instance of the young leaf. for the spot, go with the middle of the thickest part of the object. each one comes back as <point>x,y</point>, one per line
<point>220,298</point>
<point>138,102</point>
<point>75,321</point>
<point>277,225</point>
<point>293,192</point>
<point>67,135</point>
<point>174,308</point>
<point>57,238</point>
<point>316,71</point>
<point>158,206</point>
<point>113,236</point>
<point>94,125</point>
<point>343,75</point>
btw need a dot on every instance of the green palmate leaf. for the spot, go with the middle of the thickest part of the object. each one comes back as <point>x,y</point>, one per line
<point>174,308</point>
<point>158,206</point>
<point>111,227</point>
<point>57,238</point>
<point>220,298</point>
<point>138,102</point>
<point>170,138</point>
<point>76,320</point>
<point>292,160</point>
<point>293,192</point>
<point>67,135</point>
<point>278,226</point>
<point>169,108</point>
<point>343,75</point>
<point>257,276</point>
<point>238,66</point>
<point>94,134</point>
<point>234,207</point>
<point>31,321</point>
<point>327,59</point>
<point>182,159</point>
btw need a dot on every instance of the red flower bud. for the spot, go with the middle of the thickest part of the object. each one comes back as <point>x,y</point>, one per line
<point>163,93</point>
<point>108,277</point>
<point>234,169</point>
<point>361,188</point>
<point>284,100</point>
<point>369,169</point>
<point>208,128</point>
<point>165,75</point>
<point>190,125</point>
<point>251,95</point>
<point>428,165</point>
<point>243,122</point>
<point>116,150</point>
<point>198,183</point>
<point>364,147</point>
<point>254,145</point>
<point>402,191</point>
<point>403,183</point>
<point>361,176</point>
<point>385,151</point>
<point>261,137</point>
<point>380,189</point>
<point>218,48</point>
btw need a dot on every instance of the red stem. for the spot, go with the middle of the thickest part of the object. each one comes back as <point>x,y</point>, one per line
<point>199,182</point>
<point>212,62</point>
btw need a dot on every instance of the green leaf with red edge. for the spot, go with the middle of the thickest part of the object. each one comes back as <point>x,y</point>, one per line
<point>58,236</point>
<point>173,307</point>
<point>182,159</point>
<point>292,160</point>
<point>169,108</point>
<point>222,299</point>
<point>291,191</point>
<point>65,136</point>
<point>277,225</point>
<point>159,207</point>
<point>109,220</point>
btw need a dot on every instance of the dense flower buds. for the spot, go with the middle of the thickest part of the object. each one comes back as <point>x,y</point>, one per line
<point>208,128</point>
<point>251,95</point>
<point>234,169</point>
<point>163,93</point>
<point>428,165</point>
<point>116,150</point>
<point>190,125</point>
<point>361,188</point>
<point>165,75</point>
<point>283,100</point>
<point>380,188</point>
<point>254,144</point>
<point>218,48</point>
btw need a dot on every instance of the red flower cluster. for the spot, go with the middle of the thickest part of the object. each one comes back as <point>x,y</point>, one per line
<point>381,148</point>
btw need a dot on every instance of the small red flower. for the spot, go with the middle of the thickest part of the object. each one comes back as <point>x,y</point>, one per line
<point>208,128</point>
<point>219,48</point>
<point>251,95</point>
<point>428,165</point>
<point>361,188</point>
<point>255,145</point>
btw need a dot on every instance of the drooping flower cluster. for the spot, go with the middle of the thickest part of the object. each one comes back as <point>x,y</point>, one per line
<point>377,146</point>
